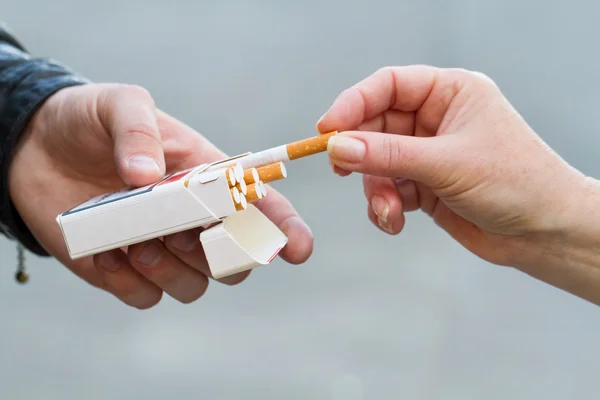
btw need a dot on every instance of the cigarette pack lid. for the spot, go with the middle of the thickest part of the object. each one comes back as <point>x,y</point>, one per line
<point>242,241</point>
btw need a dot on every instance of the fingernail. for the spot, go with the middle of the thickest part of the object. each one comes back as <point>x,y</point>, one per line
<point>143,163</point>
<point>346,149</point>
<point>319,122</point>
<point>184,241</point>
<point>107,261</point>
<point>384,225</point>
<point>380,207</point>
<point>338,171</point>
<point>334,167</point>
<point>150,254</point>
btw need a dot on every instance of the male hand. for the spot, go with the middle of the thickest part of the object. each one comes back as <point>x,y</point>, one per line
<point>446,141</point>
<point>96,138</point>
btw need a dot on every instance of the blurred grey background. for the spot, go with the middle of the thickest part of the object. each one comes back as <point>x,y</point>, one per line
<point>369,316</point>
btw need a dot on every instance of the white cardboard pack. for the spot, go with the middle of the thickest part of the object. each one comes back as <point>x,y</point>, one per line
<point>200,197</point>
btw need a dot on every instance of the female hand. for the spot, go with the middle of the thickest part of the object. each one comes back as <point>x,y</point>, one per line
<point>92,139</point>
<point>447,141</point>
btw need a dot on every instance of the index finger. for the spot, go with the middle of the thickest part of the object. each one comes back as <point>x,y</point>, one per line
<point>401,88</point>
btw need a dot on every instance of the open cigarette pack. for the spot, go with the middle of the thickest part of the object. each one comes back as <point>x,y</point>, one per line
<point>217,196</point>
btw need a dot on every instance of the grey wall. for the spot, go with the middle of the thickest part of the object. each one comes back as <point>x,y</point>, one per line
<point>414,316</point>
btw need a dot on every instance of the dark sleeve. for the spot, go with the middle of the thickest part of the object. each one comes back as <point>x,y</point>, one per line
<point>25,83</point>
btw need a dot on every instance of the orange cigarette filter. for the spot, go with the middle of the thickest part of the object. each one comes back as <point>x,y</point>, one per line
<point>243,204</point>
<point>254,192</point>
<point>231,177</point>
<point>263,188</point>
<point>242,187</point>
<point>233,172</point>
<point>251,176</point>
<point>310,146</point>
<point>239,172</point>
<point>235,194</point>
<point>272,172</point>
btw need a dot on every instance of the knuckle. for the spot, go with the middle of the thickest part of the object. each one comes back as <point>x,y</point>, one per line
<point>142,128</point>
<point>476,77</point>
<point>484,80</point>
<point>386,70</point>
<point>135,91</point>
<point>154,248</point>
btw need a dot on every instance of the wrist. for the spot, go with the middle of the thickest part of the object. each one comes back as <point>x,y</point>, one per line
<point>31,82</point>
<point>569,258</point>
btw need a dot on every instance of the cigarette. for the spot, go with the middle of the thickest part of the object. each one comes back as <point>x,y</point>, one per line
<point>242,187</point>
<point>287,152</point>
<point>231,177</point>
<point>234,172</point>
<point>263,188</point>
<point>254,192</point>
<point>235,194</point>
<point>251,176</point>
<point>239,172</point>
<point>243,204</point>
<point>272,172</point>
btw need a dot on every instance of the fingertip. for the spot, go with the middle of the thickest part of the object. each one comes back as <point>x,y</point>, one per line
<point>324,125</point>
<point>151,299</point>
<point>141,169</point>
<point>385,204</point>
<point>329,120</point>
<point>318,124</point>
<point>108,261</point>
<point>338,170</point>
<point>235,279</point>
<point>409,194</point>
<point>398,224</point>
<point>300,243</point>
<point>341,172</point>
<point>124,282</point>
<point>391,227</point>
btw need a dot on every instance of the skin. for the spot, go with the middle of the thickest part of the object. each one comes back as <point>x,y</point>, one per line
<point>447,142</point>
<point>92,139</point>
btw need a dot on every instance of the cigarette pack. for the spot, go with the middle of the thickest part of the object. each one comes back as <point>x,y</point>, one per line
<point>237,236</point>
<point>218,197</point>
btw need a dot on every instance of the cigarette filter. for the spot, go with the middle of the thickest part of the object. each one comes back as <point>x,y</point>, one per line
<point>239,172</point>
<point>243,204</point>
<point>242,187</point>
<point>272,172</point>
<point>251,176</point>
<point>235,193</point>
<point>254,192</point>
<point>263,188</point>
<point>231,177</point>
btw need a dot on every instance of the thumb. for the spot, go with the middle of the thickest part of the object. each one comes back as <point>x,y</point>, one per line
<point>129,114</point>
<point>420,159</point>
